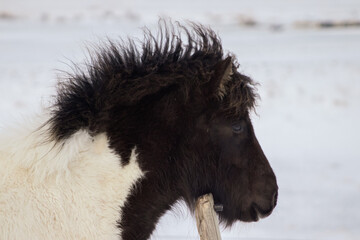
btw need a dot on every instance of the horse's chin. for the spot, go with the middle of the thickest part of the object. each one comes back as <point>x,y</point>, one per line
<point>254,214</point>
<point>264,213</point>
<point>250,215</point>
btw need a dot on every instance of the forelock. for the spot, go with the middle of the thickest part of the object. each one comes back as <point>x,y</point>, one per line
<point>240,95</point>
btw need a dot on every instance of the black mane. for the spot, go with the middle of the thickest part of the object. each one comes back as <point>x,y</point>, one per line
<point>124,72</point>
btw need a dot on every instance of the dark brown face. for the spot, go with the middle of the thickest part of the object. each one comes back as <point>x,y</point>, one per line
<point>245,183</point>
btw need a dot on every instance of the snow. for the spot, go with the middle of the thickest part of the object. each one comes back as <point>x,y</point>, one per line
<point>307,120</point>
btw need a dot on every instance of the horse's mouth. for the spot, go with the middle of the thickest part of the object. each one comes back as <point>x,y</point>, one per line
<point>260,213</point>
<point>254,214</point>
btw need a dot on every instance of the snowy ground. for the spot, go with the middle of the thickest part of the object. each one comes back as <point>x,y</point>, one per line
<point>308,118</point>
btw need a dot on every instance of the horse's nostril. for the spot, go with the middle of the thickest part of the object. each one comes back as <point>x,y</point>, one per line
<point>274,199</point>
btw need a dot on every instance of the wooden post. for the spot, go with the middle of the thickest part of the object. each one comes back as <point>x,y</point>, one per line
<point>206,219</point>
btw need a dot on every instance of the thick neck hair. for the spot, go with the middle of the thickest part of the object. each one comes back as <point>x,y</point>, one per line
<point>147,95</point>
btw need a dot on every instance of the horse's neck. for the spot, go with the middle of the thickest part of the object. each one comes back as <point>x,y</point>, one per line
<point>156,193</point>
<point>144,208</point>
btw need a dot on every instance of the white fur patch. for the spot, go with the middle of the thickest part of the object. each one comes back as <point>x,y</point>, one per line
<point>72,190</point>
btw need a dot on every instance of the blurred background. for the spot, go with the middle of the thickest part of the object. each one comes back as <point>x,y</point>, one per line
<point>304,53</point>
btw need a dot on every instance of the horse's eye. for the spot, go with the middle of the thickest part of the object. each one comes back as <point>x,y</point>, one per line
<point>237,128</point>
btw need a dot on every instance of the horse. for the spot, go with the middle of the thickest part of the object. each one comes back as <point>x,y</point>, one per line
<point>146,124</point>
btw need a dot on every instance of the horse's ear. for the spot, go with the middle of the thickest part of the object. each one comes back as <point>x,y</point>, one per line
<point>222,74</point>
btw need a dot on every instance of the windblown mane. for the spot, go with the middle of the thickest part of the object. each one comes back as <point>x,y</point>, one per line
<point>121,73</point>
